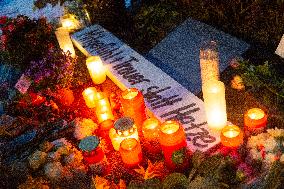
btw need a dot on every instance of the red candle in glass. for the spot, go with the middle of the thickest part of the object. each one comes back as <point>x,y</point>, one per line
<point>133,105</point>
<point>231,136</point>
<point>255,120</point>
<point>92,153</point>
<point>131,152</point>
<point>173,142</point>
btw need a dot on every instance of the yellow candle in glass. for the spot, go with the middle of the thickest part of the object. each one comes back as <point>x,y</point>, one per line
<point>103,108</point>
<point>96,69</point>
<point>131,152</point>
<point>123,128</point>
<point>150,129</point>
<point>89,95</point>
<point>64,41</point>
<point>215,104</point>
<point>231,136</point>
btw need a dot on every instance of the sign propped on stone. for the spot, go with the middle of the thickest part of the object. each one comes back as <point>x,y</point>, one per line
<point>280,49</point>
<point>165,97</point>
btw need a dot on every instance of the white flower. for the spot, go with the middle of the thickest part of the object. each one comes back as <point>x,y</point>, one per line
<point>53,170</point>
<point>269,158</point>
<point>84,128</point>
<point>270,144</point>
<point>282,158</point>
<point>276,132</point>
<point>255,154</point>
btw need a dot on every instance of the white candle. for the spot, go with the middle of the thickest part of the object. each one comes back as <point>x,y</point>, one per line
<point>69,22</point>
<point>64,41</point>
<point>215,104</point>
<point>209,62</point>
<point>96,69</point>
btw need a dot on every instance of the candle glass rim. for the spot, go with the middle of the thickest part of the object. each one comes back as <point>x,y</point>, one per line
<point>125,92</point>
<point>151,120</point>
<point>170,122</point>
<point>251,110</point>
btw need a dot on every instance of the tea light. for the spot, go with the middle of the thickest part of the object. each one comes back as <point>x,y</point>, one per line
<point>209,62</point>
<point>173,142</point>
<point>89,95</point>
<point>130,151</point>
<point>215,104</point>
<point>92,153</point>
<point>96,69</point>
<point>231,136</point>
<point>64,41</point>
<point>123,128</point>
<point>103,109</point>
<point>150,129</point>
<point>133,105</point>
<point>255,118</point>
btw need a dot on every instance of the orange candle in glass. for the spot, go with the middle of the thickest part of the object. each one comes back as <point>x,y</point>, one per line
<point>89,95</point>
<point>130,151</point>
<point>150,129</point>
<point>133,105</point>
<point>255,119</point>
<point>173,142</point>
<point>231,136</point>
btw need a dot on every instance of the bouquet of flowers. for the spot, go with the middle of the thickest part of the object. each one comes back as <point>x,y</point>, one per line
<point>267,147</point>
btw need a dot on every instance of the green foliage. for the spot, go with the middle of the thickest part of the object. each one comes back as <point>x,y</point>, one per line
<point>175,181</point>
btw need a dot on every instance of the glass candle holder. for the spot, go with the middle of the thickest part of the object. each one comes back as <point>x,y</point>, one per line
<point>255,120</point>
<point>131,152</point>
<point>215,104</point>
<point>103,109</point>
<point>69,22</point>
<point>89,95</point>
<point>96,69</point>
<point>123,128</point>
<point>150,131</point>
<point>92,153</point>
<point>173,142</point>
<point>209,62</point>
<point>231,136</point>
<point>133,105</point>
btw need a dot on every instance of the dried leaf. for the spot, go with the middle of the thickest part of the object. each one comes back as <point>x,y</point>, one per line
<point>101,183</point>
<point>153,170</point>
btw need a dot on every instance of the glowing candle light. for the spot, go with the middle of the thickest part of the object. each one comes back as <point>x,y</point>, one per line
<point>133,105</point>
<point>96,69</point>
<point>255,120</point>
<point>173,142</point>
<point>130,151</point>
<point>215,104</point>
<point>103,109</point>
<point>231,136</point>
<point>64,41</point>
<point>150,129</point>
<point>69,22</point>
<point>89,95</point>
<point>209,62</point>
<point>92,153</point>
<point>123,128</point>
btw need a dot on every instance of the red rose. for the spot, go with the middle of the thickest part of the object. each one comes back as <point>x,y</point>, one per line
<point>11,27</point>
<point>3,19</point>
<point>3,39</point>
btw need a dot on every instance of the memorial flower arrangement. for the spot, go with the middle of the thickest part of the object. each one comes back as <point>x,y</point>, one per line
<point>24,40</point>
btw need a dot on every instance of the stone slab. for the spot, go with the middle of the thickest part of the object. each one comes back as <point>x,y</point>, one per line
<point>178,53</point>
<point>164,96</point>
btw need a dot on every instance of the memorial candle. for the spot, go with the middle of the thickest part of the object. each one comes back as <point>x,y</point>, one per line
<point>64,41</point>
<point>89,95</point>
<point>123,128</point>
<point>130,151</point>
<point>215,104</point>
<point>255,119</point>
<point>173,142</point>
<point>92,153</point>
<point>150,129</point>
<point>69,22</point>
<point>103,109</point>
<point>231,136</point>
<point>133,105</point>
<point>209,62</point>
<point>96,69</point>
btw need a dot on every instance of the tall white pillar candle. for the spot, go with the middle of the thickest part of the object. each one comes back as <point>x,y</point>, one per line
<point>215,104</point>
<point>96,69</point>
<point>64,40</point>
